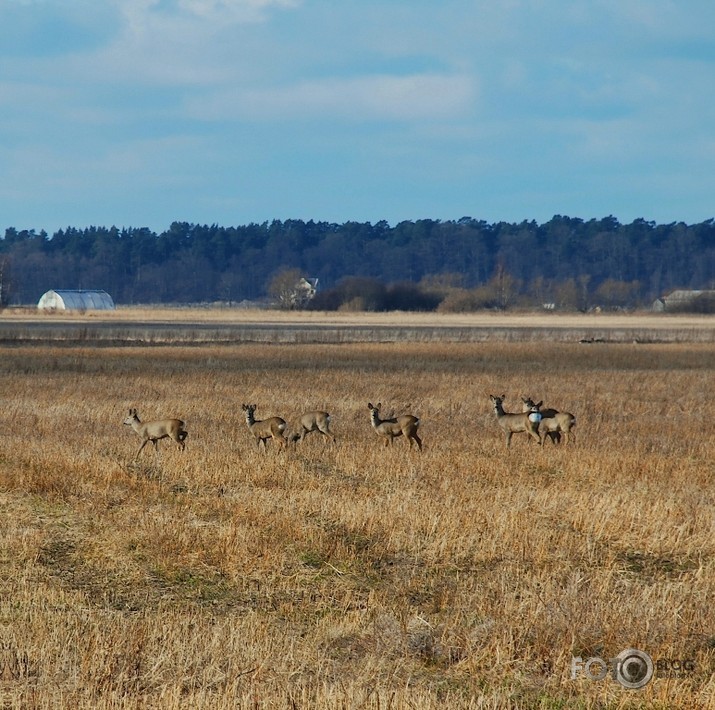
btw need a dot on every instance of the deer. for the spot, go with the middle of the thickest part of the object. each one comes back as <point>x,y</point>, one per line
<point>159,429</point>
<point>514,423</point>
<point>314,421</point>
<point>554,423</point>
<point>404,425</point>
<point>264,429</point>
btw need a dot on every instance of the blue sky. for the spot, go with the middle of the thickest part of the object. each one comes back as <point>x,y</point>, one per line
<point>143,112</point>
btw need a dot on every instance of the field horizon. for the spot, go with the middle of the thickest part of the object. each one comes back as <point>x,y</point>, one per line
<point>174,325</point>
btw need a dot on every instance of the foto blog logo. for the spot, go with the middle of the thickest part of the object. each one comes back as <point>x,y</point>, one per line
<point>631,668</point>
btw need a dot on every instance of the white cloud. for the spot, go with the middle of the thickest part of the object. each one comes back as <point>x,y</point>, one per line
<point>236,8</point>
<point>379,97</point>
<point>149,15</point>
<point>172,43</point>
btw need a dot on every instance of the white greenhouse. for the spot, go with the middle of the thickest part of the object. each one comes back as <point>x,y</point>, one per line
<point>64,300</point>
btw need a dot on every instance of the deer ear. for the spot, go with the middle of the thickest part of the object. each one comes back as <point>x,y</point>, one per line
<point>503,396</point>
<point>369,406</point>
<point>538,404</point>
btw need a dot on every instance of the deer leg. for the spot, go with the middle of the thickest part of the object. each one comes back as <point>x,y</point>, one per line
<point>411,435</point>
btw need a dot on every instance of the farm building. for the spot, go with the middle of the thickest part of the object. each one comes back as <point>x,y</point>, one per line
<point>681,300</point>
<point>305,290</point>
<point>64,300</point>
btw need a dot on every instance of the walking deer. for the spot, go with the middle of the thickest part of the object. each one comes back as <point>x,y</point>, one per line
<point>514,423</point>
<point>159,429</point>
<point>314,421</point>
<point>554,423</point>
<point>405,425</point>
<point>264,429</point>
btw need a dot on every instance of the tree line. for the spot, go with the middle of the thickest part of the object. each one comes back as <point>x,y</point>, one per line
<point>462,264</point>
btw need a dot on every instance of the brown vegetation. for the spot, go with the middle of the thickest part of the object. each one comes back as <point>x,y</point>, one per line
<point>353,575</point>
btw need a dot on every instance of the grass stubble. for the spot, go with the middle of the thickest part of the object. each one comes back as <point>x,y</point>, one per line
<point>354,575</point>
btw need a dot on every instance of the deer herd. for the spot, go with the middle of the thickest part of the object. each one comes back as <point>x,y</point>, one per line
<point>539,424</point>
<point>536,422</point>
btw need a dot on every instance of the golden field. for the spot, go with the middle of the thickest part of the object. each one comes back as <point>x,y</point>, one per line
<point>354,575</point>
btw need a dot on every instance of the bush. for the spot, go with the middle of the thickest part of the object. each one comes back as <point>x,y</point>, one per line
<point>406,296</point>
<point>461,300</point>
<point>357,293</point>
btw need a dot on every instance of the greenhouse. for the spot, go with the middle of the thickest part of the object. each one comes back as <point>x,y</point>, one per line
<point>84,300</point>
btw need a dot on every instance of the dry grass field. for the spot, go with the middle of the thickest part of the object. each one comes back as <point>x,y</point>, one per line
<point>353,575</point>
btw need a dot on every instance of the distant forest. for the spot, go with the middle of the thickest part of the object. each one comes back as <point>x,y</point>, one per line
<point>565,263</point>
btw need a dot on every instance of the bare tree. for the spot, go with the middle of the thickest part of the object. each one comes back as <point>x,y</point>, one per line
<point>504,287</point>
<point>284,288</point>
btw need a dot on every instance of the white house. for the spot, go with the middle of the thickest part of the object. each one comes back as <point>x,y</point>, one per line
<point>305,290</point>
<point>84,300</point>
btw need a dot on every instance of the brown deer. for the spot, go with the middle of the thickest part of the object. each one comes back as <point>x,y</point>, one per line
<point>554,423</point>
<point>404,425</point>
<point>160,429</point>
<point>264,429</point>
<point>314,421</point>
<point>514,423</point>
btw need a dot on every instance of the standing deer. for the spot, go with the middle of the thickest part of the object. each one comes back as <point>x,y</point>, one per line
<point>265,429</point>
<point>159,429</point>
<point>554,423</point>
<point>518,421</point>
<point>404,425</point>
<point>314,421</point>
